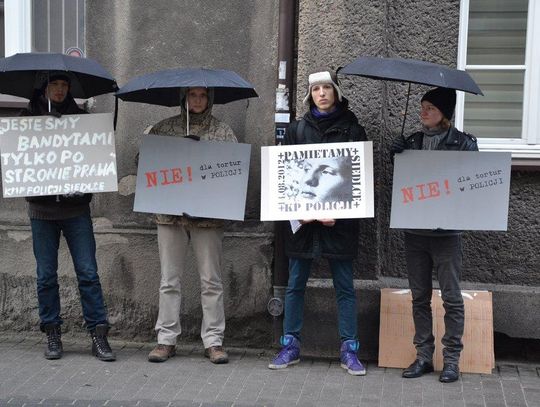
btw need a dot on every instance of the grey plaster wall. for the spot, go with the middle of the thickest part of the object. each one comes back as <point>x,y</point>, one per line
<point>132,37</point>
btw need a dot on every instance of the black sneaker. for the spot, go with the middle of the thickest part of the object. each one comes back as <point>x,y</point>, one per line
<point>100,346</point>
<point>54,348</point>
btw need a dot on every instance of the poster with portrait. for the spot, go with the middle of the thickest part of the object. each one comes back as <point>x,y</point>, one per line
<point>317,181</point>
<point>464,190</point>
<point>180,176</point>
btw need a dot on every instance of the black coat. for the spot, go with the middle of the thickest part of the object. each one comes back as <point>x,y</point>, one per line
<point>313,239</point>
<point>454,140</point>
<point>38,106</point>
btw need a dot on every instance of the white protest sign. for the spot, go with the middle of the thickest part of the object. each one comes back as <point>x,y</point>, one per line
<point>198,178</point>
<point>317,181</point>
<point>463,190</point>
<point>45,155</point>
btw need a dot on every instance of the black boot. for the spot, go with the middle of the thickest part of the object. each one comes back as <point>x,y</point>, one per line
<point>100,346</point>
<point>54,348</point>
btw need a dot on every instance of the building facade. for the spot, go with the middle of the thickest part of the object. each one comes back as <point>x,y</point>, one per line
<point>492,39</point>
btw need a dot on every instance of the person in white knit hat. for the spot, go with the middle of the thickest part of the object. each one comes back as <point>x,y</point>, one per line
<point>328,121</point>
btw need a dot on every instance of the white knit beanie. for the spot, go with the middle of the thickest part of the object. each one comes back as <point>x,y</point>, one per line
<point>319,77</point>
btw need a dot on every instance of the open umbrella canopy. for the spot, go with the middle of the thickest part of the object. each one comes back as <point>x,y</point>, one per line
<point>21,74</point>
<point>412,71</point>
<point>166,88</point>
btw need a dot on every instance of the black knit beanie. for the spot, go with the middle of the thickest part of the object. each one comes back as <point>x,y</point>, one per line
<point>443,99</point>
<point>53,76</point>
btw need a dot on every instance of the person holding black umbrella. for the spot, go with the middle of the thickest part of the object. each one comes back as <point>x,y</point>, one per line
<point>206,237</point>
<point>441,250</point>
<point>328,120</point>
<point>51,216</point>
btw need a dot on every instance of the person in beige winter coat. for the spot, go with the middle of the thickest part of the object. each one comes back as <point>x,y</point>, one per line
<point>206,237</point>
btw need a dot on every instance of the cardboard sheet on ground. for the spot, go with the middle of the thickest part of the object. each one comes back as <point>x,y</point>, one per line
<point>464,190</point>
<point>198,178</point>
<point>45,155</point>
<point>396,333</point>
<point>316,181</point>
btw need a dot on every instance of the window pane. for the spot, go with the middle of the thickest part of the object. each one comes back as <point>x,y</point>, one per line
<point>498,113</point>
<point>497,32</point>
<point>57,25</point>
<point>40,26</point>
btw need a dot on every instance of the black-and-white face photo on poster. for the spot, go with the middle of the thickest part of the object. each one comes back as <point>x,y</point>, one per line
<point>316,181</point>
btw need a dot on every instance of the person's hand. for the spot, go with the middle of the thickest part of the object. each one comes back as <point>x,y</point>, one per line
<point>398,145</point>
<point>304,221</point>
<point>328,222</point>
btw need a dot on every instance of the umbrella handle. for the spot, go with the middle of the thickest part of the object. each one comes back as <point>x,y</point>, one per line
<point>406,108</point>
<point>115,113</point>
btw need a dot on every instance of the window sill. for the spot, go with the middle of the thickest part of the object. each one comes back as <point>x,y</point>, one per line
<point>15,102</point>
<point>12,102</point>
<point>525,156</point>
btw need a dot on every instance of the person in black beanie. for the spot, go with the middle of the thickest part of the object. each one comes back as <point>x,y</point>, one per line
<point>441,250</point>
<point>328,120</point>
<point>69,214</point>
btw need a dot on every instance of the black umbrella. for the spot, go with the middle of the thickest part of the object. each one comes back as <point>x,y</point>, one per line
<point>21,74</point>
<point>412,71</point>
<point>166,88</point>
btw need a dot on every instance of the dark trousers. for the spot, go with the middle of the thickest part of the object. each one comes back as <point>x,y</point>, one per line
<point>444,255</point>
<point>79,235</point>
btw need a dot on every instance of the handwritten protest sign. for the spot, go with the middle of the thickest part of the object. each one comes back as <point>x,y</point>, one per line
<point>316,181</point>
<point>45,155</point>
<point>464,190</point>
<point>198,178</point>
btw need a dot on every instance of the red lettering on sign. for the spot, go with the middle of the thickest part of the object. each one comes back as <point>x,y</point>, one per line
<point>422,192</point>
<point>433,188</point>
<point>167,176</point>
<point>177,175</point>
<point>151,179</point>
<point>408,194</point>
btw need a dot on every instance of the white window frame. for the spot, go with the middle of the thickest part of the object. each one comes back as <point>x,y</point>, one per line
<point>17,38</point>
<point>525,150</point>
<point>17,26</point>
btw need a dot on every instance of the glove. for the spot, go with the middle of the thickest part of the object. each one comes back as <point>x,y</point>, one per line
<point>398,145</point>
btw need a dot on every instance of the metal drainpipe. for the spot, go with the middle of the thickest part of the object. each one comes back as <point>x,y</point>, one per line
<point>284,114</point>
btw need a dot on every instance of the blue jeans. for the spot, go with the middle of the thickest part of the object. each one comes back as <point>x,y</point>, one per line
<point>299,270</point>
<point>79,235</point>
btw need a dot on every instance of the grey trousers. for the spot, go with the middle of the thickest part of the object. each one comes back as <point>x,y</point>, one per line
<point>173,241</point>
<point>444,255</point>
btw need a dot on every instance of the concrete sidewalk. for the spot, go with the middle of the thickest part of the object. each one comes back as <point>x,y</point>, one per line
<point>78,379</point>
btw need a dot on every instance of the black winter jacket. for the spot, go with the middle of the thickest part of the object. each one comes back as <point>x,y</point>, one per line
<point>454,140</point>
<point>54,207</point>
<point>313,239</point>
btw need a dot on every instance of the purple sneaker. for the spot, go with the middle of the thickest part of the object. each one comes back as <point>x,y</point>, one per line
<point>349,360</point>
<point>288,355</point>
